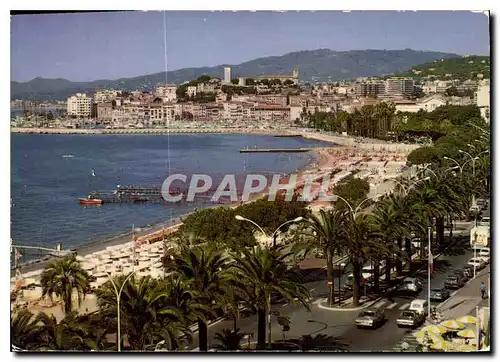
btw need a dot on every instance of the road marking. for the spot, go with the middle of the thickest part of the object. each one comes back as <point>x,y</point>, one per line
<point>392,305</point>
<point>404,306</point>
<point>285,304</point>
<point>379,304</point>
<point>313,289</point>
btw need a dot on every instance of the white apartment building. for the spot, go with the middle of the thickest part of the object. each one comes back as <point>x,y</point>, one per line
<point>227,75</point>
<point>205,87</point>
<point>395,86</point>
<point>167,92</point>
<point>79,105</point>
<point>482,98</point>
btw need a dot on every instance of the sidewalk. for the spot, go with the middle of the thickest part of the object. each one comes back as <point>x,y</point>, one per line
<point>464,301</point>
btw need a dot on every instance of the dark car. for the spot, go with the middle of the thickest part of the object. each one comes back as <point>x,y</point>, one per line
<point>453,282</point>
<point>439,294</point>
<point>469,271</point>
<point>410,318</point>
<point>370,318</point>
<point>461,274</point>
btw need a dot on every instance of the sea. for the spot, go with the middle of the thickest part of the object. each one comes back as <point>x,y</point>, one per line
<point>46,181</point>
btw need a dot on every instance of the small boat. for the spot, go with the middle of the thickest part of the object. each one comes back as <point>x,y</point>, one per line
<point>89,201</point>
<point>68,156</point>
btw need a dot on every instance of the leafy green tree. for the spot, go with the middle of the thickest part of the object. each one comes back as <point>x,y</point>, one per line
<point>62,277</point>
<point>260,273</point>
<point>250,81</point>
<point>423,155</point>
<point>235,81</point>
<point>353,189</point>
<point>288,82</point>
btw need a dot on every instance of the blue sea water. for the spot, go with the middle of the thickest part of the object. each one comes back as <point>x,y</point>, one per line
<point>45,186</point>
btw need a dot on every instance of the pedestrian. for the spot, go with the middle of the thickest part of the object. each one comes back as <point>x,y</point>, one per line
<point>483,290</point>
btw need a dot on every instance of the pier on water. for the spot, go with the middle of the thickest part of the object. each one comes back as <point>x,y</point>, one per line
<point>275,150</point>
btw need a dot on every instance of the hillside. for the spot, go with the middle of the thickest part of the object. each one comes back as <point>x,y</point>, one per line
<point>457,68</point>
<point>320,65</point>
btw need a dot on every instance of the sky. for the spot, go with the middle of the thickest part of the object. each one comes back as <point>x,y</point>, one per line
<point>90,46</point>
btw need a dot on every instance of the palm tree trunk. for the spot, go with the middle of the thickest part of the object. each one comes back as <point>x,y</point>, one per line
<point>408,248</point>
<point>202,335</point>
<point>261,329</point>
<point>68,303</point>
<point>399,261</point>
<point>388,267</point>
<point>440,231</point>
<point>329,273</point>
<point>356,271</point>
<point>376,276</point>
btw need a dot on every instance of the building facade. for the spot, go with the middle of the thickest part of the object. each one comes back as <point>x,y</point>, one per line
<point>227,75</point>
<point>482,98</point>
<point>396,86</point>
<point>167,92</point>
<point>79,105</point>
<point>374,88</point>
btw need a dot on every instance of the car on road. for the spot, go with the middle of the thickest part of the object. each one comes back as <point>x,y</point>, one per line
<point>453,282</point>
<point>370,318</point>
<point>439,294</point>
<point>484,254</point>
<point>350,281</point>
<point>411,285</point>
<point>477,262</point>
<point>461,274</point>
<point>420,306</point>
<point>410,318</point>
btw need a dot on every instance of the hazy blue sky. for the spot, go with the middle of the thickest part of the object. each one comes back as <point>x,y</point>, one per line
<point>83,47</point>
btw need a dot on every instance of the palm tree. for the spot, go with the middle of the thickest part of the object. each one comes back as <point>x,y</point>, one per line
<point>260,273</point>
<point>145,315</point>
<point>63,276</point>
<point>358,244</point>
<point>67,335</point>
<point>324,232</point>
<point>230,340</point>
<point>24,330</point>
<point>391,223</point>
<point>321,342</point>
<point>204,269</point>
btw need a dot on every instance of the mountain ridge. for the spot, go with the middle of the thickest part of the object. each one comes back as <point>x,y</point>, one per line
<point>317,65</point>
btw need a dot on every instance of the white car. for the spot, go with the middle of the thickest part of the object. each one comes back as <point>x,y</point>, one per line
<point>485,221</point>
<point>477,262</point>
<point>419,306</point>
<point>484,254</point>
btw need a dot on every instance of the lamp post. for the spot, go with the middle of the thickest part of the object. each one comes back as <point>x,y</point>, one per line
<point>407,189</point>
<point>118,293</point>
<point>354,211</point>
<point>273,236</point>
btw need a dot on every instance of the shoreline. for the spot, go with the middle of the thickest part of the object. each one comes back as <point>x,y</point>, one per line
<point>154,233</point>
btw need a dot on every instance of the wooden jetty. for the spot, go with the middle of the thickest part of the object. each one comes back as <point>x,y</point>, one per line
<point>274,150</point>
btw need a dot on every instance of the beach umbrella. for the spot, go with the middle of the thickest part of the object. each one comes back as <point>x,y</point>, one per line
<point>434,329</point>
<point>440,345</point>
<point>467,333</point>
<point>467,319</point>
<point>464,348</point>
<point>433,337</point>
<point>452,324</point>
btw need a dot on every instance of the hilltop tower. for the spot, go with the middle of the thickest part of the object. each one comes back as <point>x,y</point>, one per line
<point>295,73</point>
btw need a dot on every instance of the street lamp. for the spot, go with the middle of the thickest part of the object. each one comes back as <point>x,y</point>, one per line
<point>354,211</point>
<point>118,294</point>
<point>407,189</point>
<point>273,236</point>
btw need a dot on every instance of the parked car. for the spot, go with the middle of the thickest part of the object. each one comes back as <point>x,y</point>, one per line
<point>460,273</point>
<point>478,262</point>
<point>484,254</point>
<point>453,282</point>
<point>411,285</point>
<point>484,221</point>
<point>410,318</point>
<point>370,318</point>
<point>439,294</point>
<point>469,271</point>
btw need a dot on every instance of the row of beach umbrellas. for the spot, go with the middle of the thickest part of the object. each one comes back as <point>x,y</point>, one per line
<point>434,332</point>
